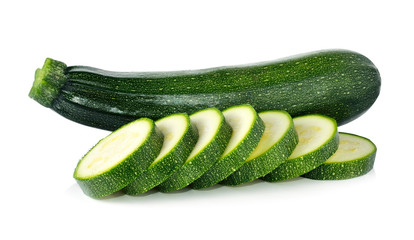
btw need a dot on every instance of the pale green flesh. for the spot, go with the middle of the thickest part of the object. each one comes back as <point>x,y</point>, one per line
<point>350,148</point>
<point>313,131</point>
<point>173,128</point>
<point>276,125</point>
<point>241,120</point>
<point>207,123</point>
<point>113,149</point>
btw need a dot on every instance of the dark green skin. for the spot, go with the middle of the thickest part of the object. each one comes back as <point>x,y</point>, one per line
<point>266,162</point>
<point>125,172</point>
<point>160,171</point>
<point>337,83</point>
<point>343,170</point>
<point>200,163</point>
<point>228,164</point>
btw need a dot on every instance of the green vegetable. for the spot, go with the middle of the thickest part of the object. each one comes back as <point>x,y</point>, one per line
<point>247,130</point>
<point>277,143</point>
<point>338,83</point>
<point>214,134</point>
<point>354,157</point>
<point>119,158</point>
<point>318,140</point>
<point>179,139</point>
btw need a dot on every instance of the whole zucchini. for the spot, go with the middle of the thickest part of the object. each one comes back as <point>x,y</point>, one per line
<point>340,84</point>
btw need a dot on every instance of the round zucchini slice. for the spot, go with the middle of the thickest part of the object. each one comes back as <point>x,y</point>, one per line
<point>247,129</point>
<point>354,157</point>
<point>119,158</point>
<point>214,134</point>
<point>180,138</point>
<point>318,140</point>
<point>277,143</point>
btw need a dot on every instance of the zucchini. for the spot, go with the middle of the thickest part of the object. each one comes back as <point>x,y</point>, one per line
<point>214,134</point>
<point>179,139</point>
<point>318,140</point>
<point>119,158</point>
<point>338,83</point>
<point>247,129</point>
<point>277,143</point>
<point>354,157</point>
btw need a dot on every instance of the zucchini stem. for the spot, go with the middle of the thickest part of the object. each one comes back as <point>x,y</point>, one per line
<point>48,82</point>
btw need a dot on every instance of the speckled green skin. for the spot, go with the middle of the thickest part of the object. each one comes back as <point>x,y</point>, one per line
<point>267,162</point>
<point>200,163</point>
<point>344,170</point>
<point>233,160</point>
<point>158,172</point>
<point>338,83</point>
<point>126,171</point>
<point>296,167</point>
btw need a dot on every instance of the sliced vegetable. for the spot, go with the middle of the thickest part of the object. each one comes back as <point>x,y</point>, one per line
<point>338,83</point>
<point>354,157</point>
<point>247,129</point>
<point>119,158</point>
<point>179,139</point>
<point>318,140</point>
<point>275,146</point>
<point>214,134</point>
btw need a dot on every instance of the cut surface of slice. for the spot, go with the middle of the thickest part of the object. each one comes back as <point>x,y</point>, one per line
<point>355,157</point>
<point>276,145</point>
<point>180,138</point>
<point>318,140</point>
<point>214,134</point>
<point>119,158</point>
<point>247,129</point>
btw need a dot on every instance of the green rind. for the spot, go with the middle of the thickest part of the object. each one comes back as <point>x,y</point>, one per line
<point>267,162</point>
<point>229,163</point>
<point>201,162</point>
<point>93,117</point>
<point>296,167</point>
<point>126,171</point>
<point>158,172</point>
<point>338,83</point>
<point>344,170</point>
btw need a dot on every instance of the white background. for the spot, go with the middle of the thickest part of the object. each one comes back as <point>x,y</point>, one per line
<point>40,149</point>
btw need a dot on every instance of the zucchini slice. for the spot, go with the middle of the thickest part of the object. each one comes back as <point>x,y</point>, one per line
<point>214,134</point>
<point>119,158</point>
<point>318,140</point>
<point>277,143</point>
<point>354,157</point>
<point>247,129</point>
<point>179,139</point>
